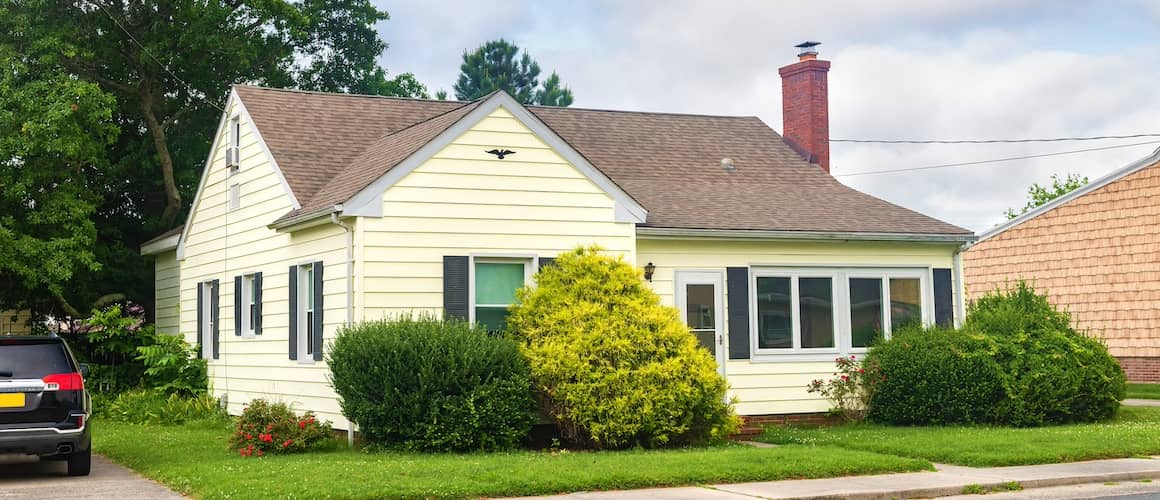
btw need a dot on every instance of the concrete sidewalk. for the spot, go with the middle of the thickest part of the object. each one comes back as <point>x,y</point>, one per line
<point>1140,402</point>
<point>949,480</point>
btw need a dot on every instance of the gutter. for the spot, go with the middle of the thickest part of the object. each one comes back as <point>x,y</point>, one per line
<point>163,245</point>
<point>309,219</point>
<point>743,234</point>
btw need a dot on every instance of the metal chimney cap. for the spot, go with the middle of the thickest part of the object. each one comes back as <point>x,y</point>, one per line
<point>808,47</point>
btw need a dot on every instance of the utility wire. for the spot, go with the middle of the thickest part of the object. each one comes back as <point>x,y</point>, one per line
<point>154,58</point>
<point>996,160</point>
<point>993,141</point>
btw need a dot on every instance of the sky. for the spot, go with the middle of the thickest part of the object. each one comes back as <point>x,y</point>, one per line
<point>930,69</point>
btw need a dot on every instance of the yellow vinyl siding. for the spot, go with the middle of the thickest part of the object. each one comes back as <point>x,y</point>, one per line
<point>463,201</point>
<point>15,322</point>
<point>166,307</point>
<point>221,243</point>
<point>776,387</point>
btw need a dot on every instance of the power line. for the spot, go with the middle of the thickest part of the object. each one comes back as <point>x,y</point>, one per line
<point>993,141</point>
<point>996,160</point>
<point>154,58</point>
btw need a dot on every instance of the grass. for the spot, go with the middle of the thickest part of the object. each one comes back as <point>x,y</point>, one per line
<point>1132,433</point>
<point>193,460</point>
<point>1144,391</point>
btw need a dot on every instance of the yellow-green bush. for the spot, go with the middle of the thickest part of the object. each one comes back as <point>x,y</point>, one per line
<point>612,366</point>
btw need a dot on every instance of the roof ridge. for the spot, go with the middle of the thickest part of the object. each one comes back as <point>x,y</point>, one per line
<point>639,112</point>
<point>349,94</point>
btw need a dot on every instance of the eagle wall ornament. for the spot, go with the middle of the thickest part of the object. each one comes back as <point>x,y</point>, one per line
<point>500,153</point>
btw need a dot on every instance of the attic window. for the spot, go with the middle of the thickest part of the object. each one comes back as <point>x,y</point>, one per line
<point>233,149</point>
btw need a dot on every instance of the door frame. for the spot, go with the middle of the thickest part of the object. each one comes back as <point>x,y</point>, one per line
<point>684,277</point>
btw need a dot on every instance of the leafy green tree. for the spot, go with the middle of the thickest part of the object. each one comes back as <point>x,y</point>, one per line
<point>170,65</point>
<point>498,64</point>
<point>54,130</point>
<point>1039,195</point>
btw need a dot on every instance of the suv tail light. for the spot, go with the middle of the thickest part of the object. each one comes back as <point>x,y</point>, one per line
<point>64,382</point>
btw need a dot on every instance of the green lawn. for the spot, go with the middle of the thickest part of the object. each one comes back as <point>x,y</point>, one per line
<point>193,460</point>
<point>1134,432</point>
<point>1144,391</point>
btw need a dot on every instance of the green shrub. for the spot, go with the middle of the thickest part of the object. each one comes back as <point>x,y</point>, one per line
<point>150,406</point>
<point>272,428</point>
<point>1016,361</point>
<point>427,383</point>
<point>172,366</point>
<point>1054,374</point>
<point>936,376</point>
<point>611,365</point>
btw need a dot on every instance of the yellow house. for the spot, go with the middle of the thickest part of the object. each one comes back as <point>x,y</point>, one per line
<point>318,210</point>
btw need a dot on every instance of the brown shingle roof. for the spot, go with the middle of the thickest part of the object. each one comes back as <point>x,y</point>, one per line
<point>330,146</point>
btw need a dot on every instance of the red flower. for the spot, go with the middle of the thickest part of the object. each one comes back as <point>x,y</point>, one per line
<point>259,453</point>
<point>301,424</point>
<point>268,438</point>
<point>845,378</point>
<point>288,442</point>
<point>853,356</point>
<point>249,436</point>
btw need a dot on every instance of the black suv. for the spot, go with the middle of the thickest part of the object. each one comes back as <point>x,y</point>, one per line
<point>44,408</point>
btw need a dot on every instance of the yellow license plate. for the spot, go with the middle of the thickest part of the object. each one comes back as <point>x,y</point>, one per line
<point>12,400</point>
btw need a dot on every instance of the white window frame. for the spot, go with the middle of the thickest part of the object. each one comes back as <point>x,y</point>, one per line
<point>235,141</point>
<point>205,336</point>
<point>249,305</point>
<point>305,312</point>
<point>531,264</point>
<point>843,336</point>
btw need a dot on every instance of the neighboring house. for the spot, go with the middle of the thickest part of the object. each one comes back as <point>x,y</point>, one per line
<point>1096,253</point>
<point>319,210</point>
<point>15,322</point>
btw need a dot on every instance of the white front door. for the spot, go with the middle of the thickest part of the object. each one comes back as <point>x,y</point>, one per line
<point>700,298</point>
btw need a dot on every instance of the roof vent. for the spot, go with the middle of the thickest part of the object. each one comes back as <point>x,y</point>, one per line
<point>808,50</point>
<point>727,164</point>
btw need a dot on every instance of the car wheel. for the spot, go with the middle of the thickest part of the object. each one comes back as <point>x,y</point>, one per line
<point>80,462</point>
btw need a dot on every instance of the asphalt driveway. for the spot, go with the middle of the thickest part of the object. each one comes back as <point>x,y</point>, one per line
<point>28,478</point>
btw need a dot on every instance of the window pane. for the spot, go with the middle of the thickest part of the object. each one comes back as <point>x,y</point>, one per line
<point>905,302</point>
<point>494,318</point>
<point>699,309</point>
<point>865,310</point>
<point>308,276</point>
<point>774,313</point>
<point>496,283</point>
<point>816,299</point>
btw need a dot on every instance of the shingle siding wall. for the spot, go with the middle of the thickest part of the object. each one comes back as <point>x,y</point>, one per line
<point>1097,256</point>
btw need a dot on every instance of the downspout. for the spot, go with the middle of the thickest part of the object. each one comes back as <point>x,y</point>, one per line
<point>960,286</point>
<point>349,294</point>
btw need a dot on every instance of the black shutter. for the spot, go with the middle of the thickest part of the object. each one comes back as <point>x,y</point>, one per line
<point>944,303</point>
<point>238,303</point>
<point>214,308</point>
<point>257,304</point>
<point>200,317</point>
<point>547,261</point>
<point>455,286</point>
<point>318,308</point>
<point>293,312</point>
<point>737,285</point>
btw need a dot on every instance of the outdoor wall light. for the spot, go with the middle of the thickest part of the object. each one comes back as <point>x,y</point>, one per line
<point>649,269</point>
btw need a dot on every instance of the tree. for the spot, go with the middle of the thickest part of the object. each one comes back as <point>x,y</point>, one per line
<point>170,65</point>
<point>1039,195</point>
<point>498,64</point>
<point>54,130</point>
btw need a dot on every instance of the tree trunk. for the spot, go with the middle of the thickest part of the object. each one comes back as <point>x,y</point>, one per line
<point>172,195</point>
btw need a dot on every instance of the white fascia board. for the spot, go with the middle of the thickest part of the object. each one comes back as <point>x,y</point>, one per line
<point>161,246</point>
<point>368,202</point>
<point>657,233</point>
<point>1120,173</point>
<point>222,124</point>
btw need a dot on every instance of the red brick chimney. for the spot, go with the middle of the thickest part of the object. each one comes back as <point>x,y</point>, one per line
<point>805,108</point>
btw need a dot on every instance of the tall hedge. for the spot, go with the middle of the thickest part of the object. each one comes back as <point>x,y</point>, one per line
<point>611,365</point>
<point>1017,361</point>
<point>425,383</point>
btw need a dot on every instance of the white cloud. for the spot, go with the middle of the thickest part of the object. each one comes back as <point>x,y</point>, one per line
<point>901,69</point>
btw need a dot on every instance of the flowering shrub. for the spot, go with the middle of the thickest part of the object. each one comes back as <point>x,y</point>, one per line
<point>265,427</point>
<point>851,388</point>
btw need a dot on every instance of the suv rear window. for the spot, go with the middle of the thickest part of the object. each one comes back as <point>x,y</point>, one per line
<point>32,360</point>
